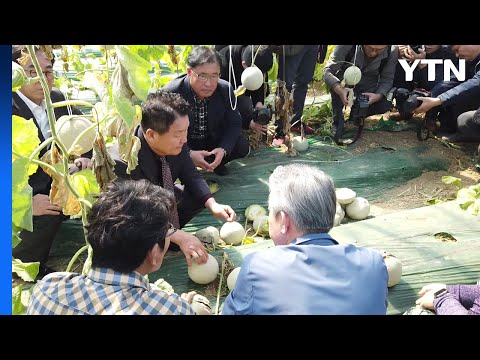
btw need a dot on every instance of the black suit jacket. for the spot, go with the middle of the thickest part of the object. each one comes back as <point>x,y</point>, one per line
<point>149,167</point>
<point>40,181</point>
<point>224,124</point>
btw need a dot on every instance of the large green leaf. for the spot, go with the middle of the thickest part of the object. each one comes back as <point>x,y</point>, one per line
<point>21,196</point>
<point>122,96</point>
<point>138,69</point>
<point>19,78</point>
<point>86,184</point>
<point>26,271</point>
<point>17,306</point>
<point>24,139</point>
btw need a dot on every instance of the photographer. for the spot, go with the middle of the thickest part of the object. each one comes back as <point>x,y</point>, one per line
<point>377,64</point>
<point>251,103</point>
<point>446,103</point>
<point>420,75</point>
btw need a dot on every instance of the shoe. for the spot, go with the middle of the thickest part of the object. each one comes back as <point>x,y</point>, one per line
<point>307,130</point>
<point>221,170</point>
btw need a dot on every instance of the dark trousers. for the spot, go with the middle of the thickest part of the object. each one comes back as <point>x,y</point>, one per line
<point>245,108</point>
<point>35,246</point>
<point>240,150</point>
<point>299,70</point>
<point>447,115</point>
<point>469,126</point>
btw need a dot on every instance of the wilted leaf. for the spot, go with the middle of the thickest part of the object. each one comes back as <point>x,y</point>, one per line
<point>102,163</point>
<point>122,95</point>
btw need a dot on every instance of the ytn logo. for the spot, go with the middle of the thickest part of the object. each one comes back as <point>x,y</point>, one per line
<point>448,67</point>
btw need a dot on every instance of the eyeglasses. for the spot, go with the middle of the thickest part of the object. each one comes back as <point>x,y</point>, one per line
<point>33,73</point>
<point>203,78</point>
<point>171,230</point>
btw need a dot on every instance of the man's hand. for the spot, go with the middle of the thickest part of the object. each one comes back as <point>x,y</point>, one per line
<point>342,92</point>
<point>83,163</point>
<point>41,205</point>
<point>188,297</point>
<point>427,293</point>
<point>373,97</point>
<point>191,246</point>
<point>219,154</point>
<point>220,211</point>
<point>261,129</point>
<point>198,158</point>
<point>412,55</point>
<point>427,104</point>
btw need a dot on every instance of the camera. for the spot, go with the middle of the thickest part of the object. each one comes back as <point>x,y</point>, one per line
<point>416,48</point>
<point>359,109</point>
<point>407,101</point>
<point>262,116</point>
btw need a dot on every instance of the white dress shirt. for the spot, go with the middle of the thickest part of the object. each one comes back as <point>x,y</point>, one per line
<point>39,111</point>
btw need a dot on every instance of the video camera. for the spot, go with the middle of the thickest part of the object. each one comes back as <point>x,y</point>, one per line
<point>407,101</point>
<point>262,116</point>
<point>416,48</point>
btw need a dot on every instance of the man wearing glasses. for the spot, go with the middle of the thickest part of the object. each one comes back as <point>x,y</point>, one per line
<point>29,103</point>
<point>129,231</point>
<point>214,134</point>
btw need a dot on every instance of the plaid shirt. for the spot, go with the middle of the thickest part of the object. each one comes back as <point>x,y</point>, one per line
<point>103,292</point>
<point>200,124</point>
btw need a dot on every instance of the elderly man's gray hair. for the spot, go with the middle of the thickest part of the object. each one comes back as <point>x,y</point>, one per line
<point>306,194</point>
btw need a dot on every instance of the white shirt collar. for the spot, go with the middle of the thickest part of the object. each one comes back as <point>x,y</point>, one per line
<point>34,108</point>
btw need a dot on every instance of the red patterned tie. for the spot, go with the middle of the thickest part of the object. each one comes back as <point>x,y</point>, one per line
<point>168,185</point>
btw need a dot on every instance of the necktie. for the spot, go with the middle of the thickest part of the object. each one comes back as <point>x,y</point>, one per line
<point>168,185</point>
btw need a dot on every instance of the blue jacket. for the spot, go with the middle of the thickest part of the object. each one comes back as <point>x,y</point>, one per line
<point>311,275</point>
<point>469,89</point>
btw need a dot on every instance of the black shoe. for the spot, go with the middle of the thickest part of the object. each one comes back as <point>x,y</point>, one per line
<point>221,170</point>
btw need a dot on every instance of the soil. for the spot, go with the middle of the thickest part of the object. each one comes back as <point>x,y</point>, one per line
<point>415,192</point>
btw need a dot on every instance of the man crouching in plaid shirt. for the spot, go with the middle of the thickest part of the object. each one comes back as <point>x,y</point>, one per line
<point>129,233</point>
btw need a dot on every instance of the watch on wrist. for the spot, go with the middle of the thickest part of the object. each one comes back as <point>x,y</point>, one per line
<point>224,152</point>
<point>439,293</point>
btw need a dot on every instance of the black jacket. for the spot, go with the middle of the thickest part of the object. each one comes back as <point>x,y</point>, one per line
<point>149,167</point>
<point>224,124</point>
<point>40,181</point>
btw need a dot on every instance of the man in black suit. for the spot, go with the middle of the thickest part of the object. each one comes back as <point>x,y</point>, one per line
<point>163,137</point>
<point>29,103</point>
<point>214,133</point>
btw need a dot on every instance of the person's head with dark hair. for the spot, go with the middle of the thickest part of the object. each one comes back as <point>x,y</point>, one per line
<point>33,91</point>
<point>203,69</point>
<point>165,122</point>
<point>128,225</point>
<point>262,55</point>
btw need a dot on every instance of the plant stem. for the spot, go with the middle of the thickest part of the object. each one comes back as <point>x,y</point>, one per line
<point>75,257</point>
<point>217,305</point>
<point>40,147</point>
<point>71,103</point>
